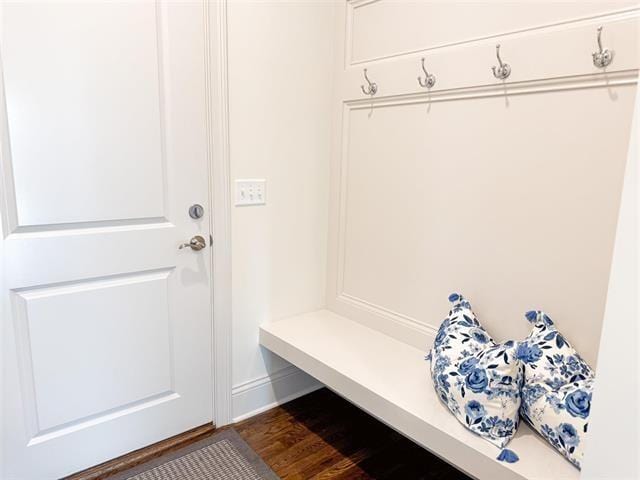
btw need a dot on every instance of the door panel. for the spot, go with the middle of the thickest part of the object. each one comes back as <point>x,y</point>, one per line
<point>107,347</point>
<point>100,314</point>
<point>93,95</point>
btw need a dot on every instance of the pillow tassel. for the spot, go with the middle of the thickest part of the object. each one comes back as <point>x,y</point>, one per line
<point>508,456</point>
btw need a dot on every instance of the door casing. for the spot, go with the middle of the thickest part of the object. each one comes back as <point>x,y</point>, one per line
<point>220,215</point>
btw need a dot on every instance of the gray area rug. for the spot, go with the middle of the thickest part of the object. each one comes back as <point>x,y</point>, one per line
<point>222,456</point>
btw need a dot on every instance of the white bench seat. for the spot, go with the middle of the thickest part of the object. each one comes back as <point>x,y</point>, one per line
<point>390,380</point>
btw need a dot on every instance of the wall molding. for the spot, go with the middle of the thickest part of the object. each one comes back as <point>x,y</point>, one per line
<point>573,82</point>
<point>352,5</point>
<point>220,199</point>
<point>402,320</point>
<point>402,325</point>
<point>270,390</point>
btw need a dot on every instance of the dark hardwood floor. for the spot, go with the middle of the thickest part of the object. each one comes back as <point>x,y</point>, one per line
<point>319,436</point>
<point>322,436</point>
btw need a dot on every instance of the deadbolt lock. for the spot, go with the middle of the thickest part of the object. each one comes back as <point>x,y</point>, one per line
<point>196,211</point>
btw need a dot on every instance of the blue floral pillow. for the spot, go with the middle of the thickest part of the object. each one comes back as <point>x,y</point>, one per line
<point>477,379</point>
<point>556,396</point>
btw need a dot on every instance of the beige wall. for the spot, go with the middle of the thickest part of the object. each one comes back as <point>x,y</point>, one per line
<point>506,193</point>
<point>280,59</point>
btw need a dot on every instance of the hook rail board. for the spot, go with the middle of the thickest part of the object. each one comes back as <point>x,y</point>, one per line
<point>597,48</point>
<point>390,380</point>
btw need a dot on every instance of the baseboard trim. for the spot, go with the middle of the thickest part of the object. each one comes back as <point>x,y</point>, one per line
<point>268,391</point>
<point>130,460</point>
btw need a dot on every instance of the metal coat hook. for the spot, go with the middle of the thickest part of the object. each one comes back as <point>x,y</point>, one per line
<point>602,58</point>
<point>504,70</point>
<point>372,88</point>
<point>429,80</point>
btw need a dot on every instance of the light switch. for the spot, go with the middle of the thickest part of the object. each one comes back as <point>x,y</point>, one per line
<point>251,192</point>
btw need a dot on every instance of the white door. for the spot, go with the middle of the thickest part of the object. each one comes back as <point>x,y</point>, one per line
<point>107,327</point>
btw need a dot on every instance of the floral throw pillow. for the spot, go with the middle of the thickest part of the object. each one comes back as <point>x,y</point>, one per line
<point>548,357</point>
<point>477,379</point>
<point>556,396</point>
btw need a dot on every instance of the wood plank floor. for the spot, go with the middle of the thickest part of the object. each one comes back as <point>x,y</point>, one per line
<point>319,436</point>
<point>322,436</point>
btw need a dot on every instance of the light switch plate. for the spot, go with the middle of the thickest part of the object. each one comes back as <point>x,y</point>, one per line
<point>251,192</point>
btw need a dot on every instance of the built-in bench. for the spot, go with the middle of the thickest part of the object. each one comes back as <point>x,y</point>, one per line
<point>390,380</point>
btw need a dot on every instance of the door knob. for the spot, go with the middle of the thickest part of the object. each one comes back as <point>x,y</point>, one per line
<point>196,243</point>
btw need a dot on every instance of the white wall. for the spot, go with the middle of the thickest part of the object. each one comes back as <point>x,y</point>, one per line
<point>280,61</point>
<point>281,70</point>
<point>614,426</point>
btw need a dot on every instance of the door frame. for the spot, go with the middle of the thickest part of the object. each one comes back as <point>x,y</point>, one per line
<point>220,201</point>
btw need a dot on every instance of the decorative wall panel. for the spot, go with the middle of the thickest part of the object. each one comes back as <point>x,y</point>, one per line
<point>507,191</point>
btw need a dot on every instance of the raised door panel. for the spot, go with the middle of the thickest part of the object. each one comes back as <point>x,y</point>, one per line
<point>95,348</point>
<point>94,97</point>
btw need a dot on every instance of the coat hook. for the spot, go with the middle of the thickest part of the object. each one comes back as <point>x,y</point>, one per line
<point>504,70</point>
<point>602,58</point>
<point>429,80</point>
<point>372,88</point>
